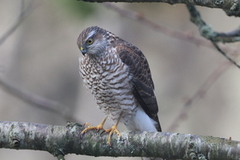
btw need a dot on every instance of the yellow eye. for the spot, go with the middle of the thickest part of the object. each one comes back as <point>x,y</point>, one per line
<point>90,41</point>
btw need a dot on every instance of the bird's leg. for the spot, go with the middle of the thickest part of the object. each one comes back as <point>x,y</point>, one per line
<point>98,127</point>
<point>113,129</point>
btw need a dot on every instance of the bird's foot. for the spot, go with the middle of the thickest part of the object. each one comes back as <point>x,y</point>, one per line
<point>111,131</point>
<point>98,127</point>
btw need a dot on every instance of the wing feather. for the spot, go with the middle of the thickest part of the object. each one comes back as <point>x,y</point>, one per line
<point>143,87</point>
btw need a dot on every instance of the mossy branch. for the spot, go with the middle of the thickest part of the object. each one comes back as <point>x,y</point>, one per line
<point>231,7</point>
<point>63,140</point>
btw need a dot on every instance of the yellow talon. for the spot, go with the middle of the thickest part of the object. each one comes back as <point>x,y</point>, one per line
<point>111,131</point>
<point>98,127</point>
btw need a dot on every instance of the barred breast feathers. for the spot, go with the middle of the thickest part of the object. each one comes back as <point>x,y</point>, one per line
<point>111,80</point>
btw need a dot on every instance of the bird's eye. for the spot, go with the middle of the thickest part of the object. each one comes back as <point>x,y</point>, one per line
<point>90,41</point>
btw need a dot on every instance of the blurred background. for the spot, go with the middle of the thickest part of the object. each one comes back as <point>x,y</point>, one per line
<point>41,57</point>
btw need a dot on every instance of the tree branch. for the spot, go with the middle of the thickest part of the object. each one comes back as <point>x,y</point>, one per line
<point>62,140</point>
<point>207,32</point>
<point>231,7</point>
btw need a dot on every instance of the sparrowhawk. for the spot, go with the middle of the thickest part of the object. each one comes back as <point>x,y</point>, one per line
<point>118,75</point>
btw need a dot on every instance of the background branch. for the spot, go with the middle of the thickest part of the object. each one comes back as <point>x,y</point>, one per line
<point>207,32</point>
<point>62,140</point>
<point>24,12</point>
<point>28,97</point>
<point>200,93</point>
<point>231,7</point>
<point>186,36</point>
<point>35,100</point>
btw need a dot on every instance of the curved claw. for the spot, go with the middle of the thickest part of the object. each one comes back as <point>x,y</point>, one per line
<point>111,131</point>
<point>98,127</point>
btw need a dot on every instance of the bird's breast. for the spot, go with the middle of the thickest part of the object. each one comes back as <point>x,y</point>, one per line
<point>110,82</point>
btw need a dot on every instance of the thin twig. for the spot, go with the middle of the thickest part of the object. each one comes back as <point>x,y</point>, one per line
<point>232,36</point>
<point>35,100</point>
<point>200,93</point>
<point>24,12</point>
<point>224,54</point>
<point>24,95</point>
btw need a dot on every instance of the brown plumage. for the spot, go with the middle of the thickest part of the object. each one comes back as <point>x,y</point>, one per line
<point>118,75</point>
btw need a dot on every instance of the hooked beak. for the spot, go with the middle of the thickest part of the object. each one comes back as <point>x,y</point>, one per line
<point>83,50</point>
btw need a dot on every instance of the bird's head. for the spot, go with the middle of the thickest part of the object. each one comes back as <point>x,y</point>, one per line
<point>92,41</point>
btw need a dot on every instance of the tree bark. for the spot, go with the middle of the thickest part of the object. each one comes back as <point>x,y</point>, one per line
<point>231,7</point>
<point>62,140</point>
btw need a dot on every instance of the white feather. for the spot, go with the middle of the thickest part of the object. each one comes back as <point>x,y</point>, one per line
<point>143,122</point>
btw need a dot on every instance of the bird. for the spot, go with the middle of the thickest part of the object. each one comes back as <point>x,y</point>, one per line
<point>118,75</point>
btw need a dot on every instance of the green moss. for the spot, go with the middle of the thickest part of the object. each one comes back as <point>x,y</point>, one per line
<point>77,8</point>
